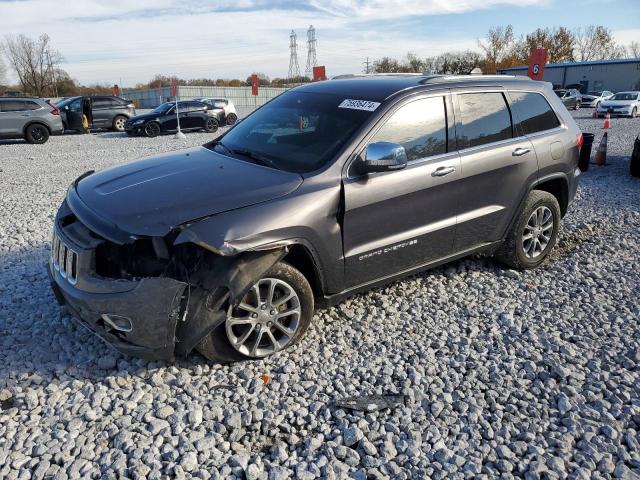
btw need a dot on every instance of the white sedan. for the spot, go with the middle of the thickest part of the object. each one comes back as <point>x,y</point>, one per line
<point>593,99</point>
<point>622,103</point>
<point>230,114</point>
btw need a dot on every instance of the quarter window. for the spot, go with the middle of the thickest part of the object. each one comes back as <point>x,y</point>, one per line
<point>420,127</point>
<point>533,112</point>
<point>484,118</point>
<point>17,105</point>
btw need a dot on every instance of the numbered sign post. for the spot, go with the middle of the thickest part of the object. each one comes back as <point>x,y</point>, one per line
<point>536,63</point>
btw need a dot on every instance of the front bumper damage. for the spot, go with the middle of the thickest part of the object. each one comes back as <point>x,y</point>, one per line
<point>152,308</point>
<point>154,316</point>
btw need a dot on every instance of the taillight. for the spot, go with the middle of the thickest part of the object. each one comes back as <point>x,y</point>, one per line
<point>580,141</point>
<point>54,110</point>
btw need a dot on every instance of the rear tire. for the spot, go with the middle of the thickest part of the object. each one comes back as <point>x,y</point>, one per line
<point>118,123</point>
<point>218,346</point>
<point>152,129</point>
<point>534,233</point>
<point>36,133</point>
<point>231,119</point>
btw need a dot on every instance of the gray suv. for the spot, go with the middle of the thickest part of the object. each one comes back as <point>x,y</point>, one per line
<point>30,118</point>
<point>327,190</point>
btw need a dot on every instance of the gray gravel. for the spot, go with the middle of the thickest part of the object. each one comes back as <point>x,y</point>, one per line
<point>509,374</point>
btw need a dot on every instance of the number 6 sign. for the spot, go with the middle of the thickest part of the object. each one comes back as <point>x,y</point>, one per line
<point>536,63</point>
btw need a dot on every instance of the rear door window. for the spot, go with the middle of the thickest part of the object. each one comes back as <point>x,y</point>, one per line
<point>100,102</point>
<point>533,112</point>
<point>420,127</point>
<point>484,118</point>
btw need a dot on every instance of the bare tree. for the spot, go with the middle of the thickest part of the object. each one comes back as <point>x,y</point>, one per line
<point>497,46</point>
<point>596,42</point>
<point>34,62</point>
<point>633,50</point>
<point>3,72</point>
<point>454,63</point>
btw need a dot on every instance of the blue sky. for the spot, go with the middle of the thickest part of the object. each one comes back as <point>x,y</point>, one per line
<point>133,40</point>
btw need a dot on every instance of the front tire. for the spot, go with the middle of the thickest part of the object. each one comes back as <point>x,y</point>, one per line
<point>36,134</point>
<point>634,112</point>
<point>152,129</point>
<point>534,233</point>
<point>273,315</point>
<point>211,125</point>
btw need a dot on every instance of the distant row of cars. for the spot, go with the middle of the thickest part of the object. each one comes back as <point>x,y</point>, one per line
<point>621,103</point>
<point>36,119</point>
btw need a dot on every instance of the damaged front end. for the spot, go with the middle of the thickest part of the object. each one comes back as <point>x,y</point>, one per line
<point>147,296</point>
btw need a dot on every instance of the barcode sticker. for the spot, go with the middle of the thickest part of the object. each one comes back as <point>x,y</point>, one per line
<point>359,105</point>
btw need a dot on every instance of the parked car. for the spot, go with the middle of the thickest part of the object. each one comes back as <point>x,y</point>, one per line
<point>229,109</point>
<point>30,118</point>
<point>622,103</point>
<point>193,116</point>
<point>329,189</point>
<point>570,98</point>
<point>102,111</point>
<point>593,99</point>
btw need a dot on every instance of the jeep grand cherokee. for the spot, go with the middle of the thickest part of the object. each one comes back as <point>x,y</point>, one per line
<point>331,188</point>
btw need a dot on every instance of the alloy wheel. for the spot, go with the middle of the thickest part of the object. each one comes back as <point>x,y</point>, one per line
<point>37,133</point>
<point>537,232</point>
<point>119,124</point>
<point>266,320</point>
<point>152,129</point>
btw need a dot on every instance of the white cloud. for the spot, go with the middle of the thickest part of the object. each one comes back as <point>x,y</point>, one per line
<point>134,40</point>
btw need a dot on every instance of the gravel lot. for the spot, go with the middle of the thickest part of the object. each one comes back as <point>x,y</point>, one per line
<point>509,374</point>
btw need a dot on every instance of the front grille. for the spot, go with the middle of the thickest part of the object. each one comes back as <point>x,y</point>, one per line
<point>64,259</point>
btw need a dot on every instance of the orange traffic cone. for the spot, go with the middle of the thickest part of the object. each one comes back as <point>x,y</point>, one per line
<point>607,121</point>
<point>601,154</point>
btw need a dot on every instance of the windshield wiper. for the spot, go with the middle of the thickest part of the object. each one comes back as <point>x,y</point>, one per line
<point>256,157</point>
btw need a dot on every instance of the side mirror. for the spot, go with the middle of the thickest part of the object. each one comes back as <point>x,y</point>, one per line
<point>384,157</point>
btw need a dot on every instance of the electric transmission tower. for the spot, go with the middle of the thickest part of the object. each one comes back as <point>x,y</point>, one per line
<point>294,69</point>
<point>312,61</point>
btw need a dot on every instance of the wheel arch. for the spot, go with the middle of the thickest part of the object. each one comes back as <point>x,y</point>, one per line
<point>36,122</point>
<point>558,186</point>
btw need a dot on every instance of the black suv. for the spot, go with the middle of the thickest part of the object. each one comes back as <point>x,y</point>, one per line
<point>102,111</point>
<point>331,188</point>
<point>193,115</point>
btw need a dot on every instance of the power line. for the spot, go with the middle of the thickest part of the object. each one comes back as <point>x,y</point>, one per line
<point>312,61</point>
<point>294,68</point>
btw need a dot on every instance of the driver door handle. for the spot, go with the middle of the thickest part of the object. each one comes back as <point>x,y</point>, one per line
<point>518,152</point>
<point>442,171</point>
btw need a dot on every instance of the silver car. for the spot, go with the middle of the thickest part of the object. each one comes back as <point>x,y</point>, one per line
<point>593,99</point>
<point>230,113</point>
<point>30,118</point>
<point>622,103</point>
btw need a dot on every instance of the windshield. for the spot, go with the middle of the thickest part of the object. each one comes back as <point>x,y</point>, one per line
<point>297,131</point>
<point>163,108</point>
<point>625,96</point>
<point>595,94</point>
<point>560,93</point>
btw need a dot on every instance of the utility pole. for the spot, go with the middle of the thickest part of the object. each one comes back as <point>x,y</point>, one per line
<point>366,65</point>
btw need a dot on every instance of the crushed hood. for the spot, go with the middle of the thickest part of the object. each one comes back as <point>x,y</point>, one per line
<point>151,196</point>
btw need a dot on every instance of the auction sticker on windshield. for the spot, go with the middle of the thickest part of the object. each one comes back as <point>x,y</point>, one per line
<point>359,105</point>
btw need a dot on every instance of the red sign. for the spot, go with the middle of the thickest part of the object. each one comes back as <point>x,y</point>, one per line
<point>116,90</point>
<point>319,73</point>
<point>174,88</point>
<point>254,84</point>
<point>536,63</point>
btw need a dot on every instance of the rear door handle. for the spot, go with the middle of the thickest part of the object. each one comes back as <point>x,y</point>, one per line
<point>518,152</point>
<point>442,171</point>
